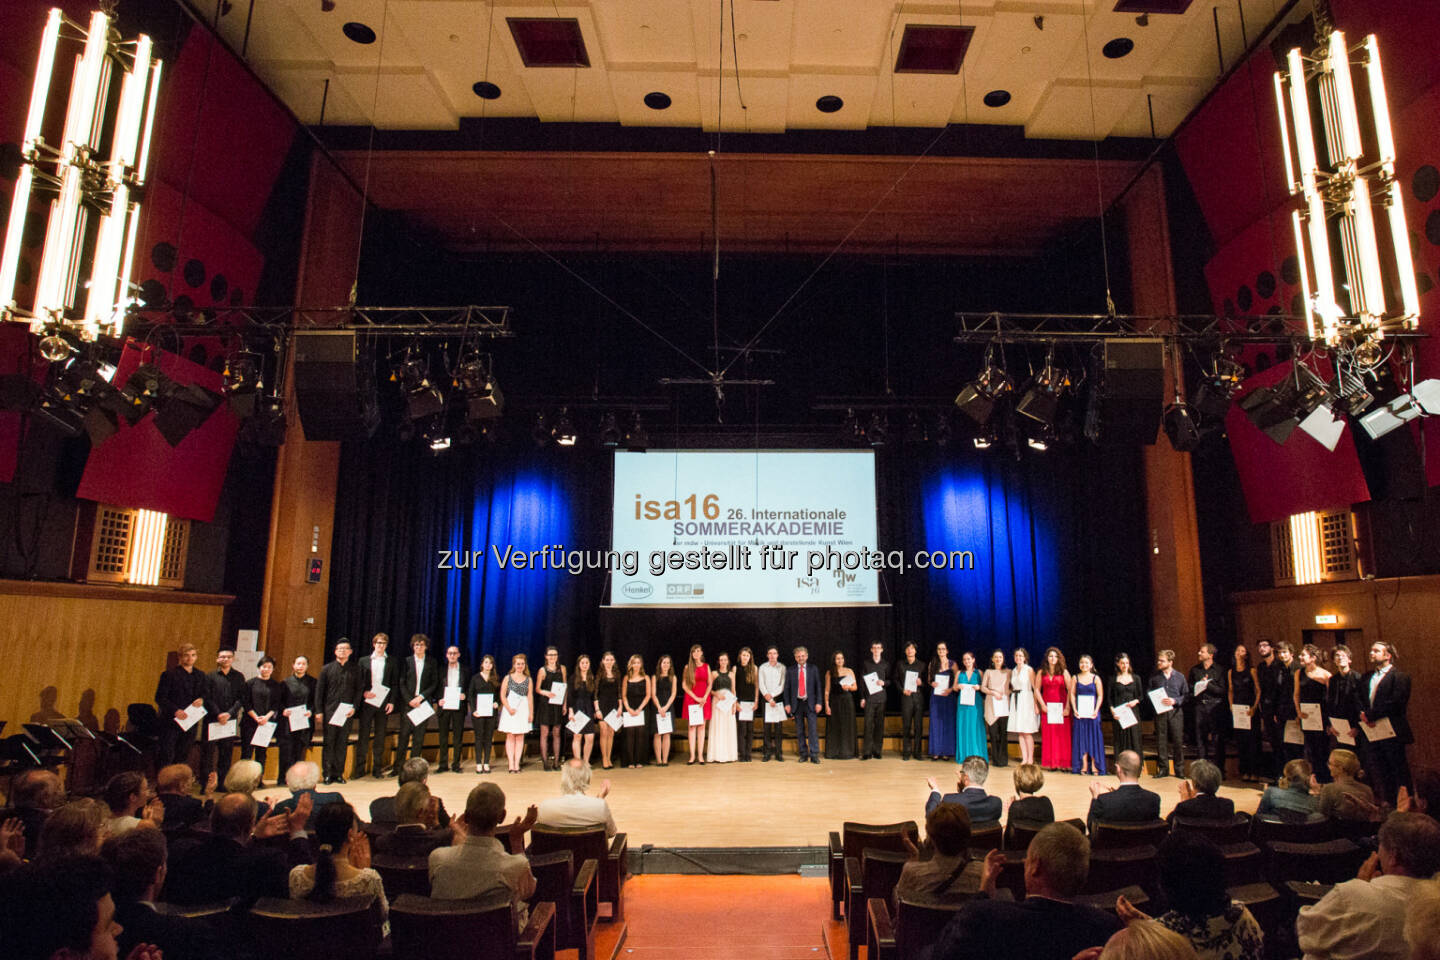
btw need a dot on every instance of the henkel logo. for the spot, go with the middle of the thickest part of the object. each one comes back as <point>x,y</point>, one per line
<point>637,590</point>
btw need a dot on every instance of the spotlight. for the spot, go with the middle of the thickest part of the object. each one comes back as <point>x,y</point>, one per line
<point>637,439</point>
<point>1042,400</point>
<point>879,430</point>
<point>977,399</point>
<point>984,441</point>
<point>473,377</point>
<point>436,436</point>
<point>243,382</point>
<point>565,434</point>
<point>914,429</point>
<point>422,398</point>
<point>265,426</point>
<point>1279,409</point>
<point>183,411</point>
<point>610,433</point>
<point>541,432</point>
<point>142,389</point>
<point>1422,400</point>
<point>1042,440</point>
<point>1180,427</point>
<point>1211,399</point>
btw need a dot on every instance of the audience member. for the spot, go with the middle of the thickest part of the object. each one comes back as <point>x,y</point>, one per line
<point>245,776</point>
<point>1047,924</point>
<point>1365,917</point>
<point>950,874</point>
<point>970,793</point>
<point>1422,922</point>
<point>227,863</point>
<point>1290,799</point>
<point>413,770</point>
<point>1128,802</point>
<point>342,863</point>
<point>1026,807</point>
<point>417,832</point>
<point>34,795</point>
<point>1197,795</point>
<point>126,795</point>
<point>182,808</point>
<point>137,862</point>
<point>477,865</point>
<point>573,808</point>
<point>75,830</point>
<point>1345,797</point>
<point>1142,940</point>
<point>1425,798</point>
<point>300,780</point>
<point>62,911</point>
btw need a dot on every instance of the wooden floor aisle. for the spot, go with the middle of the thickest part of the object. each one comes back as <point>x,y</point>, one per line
<point>724,918</point>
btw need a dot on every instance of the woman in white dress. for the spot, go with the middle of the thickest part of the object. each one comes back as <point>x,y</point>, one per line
<point>723,745</point>
<point>517,711</point>
<point>1024,720</point>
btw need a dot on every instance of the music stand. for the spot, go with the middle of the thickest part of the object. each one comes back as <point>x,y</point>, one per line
<point>46,737</point>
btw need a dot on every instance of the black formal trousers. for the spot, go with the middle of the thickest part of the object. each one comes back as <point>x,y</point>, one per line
<point>1388,767</point>
<point>1247,748</point>
<point>1210,732</point>
<point>745,733</point>
<point>217,755</point>
<point>370,738</point>
<point>772,735</point>
<point>874,743</point>
<point>1275,736</point>
<point>484,737</point>
<point>999,736</point>
<point>173,744</point>
<point>1170,736</point>
<point>412,737</point>
<point>452,727</point>
<point>807,728</point>
<point>335,743</point>
<point>912,713</point>
<point>292,745</point>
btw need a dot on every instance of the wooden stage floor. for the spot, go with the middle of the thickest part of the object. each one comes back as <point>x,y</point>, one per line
<point>759,804</point>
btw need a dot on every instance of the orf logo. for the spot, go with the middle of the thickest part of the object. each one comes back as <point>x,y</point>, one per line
<point>637,590</point>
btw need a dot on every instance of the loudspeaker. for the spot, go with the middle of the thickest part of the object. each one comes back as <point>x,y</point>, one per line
<point>1130,396</point>
<point>334,386</point>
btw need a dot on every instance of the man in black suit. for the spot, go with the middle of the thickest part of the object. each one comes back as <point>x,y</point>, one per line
<point>454,676</point>
<point>874,703</point>
<point>1385,695</point>
<point>137,863</point>
<point>180,687</point>
<point>417,833</point>
<point>225,695</point>
<point>970,793</point>
<point>414,770</point>
<point>1197,795</point>
<point>337,694</point>
<point>299,696</point>
<point>228,864</point>
<point>1047,924</point>
<point>1210,689</point>
<point>182,808</point>
<point>1276,699</point>
<point>376,670</point>
<point>1127,803</point>
<point>419,683</point>
<point>803,701</point>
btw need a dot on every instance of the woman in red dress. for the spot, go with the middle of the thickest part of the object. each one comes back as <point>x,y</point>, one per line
<point>696,683</point>
<point>1054,687</point>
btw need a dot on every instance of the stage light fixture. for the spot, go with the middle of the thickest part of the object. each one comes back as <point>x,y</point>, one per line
<point>565,434</point>
<point>1277,410</point>
<point>54,347</point>
<point>637,438</point>
<point>476,382</point>
<point>977,399</point>
<point>1422,400</point>
<point>1041,442</point>
<point>1181,428</point>
<point>610,432</point>
<point>878,432</point>
<point>540,433</point>
<point>143,388</point>
<point>422,398</point>
<point>184,411</point>
<point>1041,400</point>
<point>985,441</point>
<point>265,427</point>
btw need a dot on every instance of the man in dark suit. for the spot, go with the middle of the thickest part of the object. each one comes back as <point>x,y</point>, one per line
<point>1385,695</point>
<point>182,808</point>
<point>301,780</point>
<point>414,770</point>
<point>1127,803</point>
<point>874,703</point>
<point>1209,688</point>
<point>227,863</point>
<point>453,676</point>
<point>1197,795</point>
<point>299,696</point>
<point>1276,700</point>
<point>180,687</point>
<point>337,693</point>
<point>376,670</point>
<point>1047,924</point>
<point>417,833</point>
<point>225,695</point>
<point>970,793</point>
<point>137,863</point>
<point>803,701</point>
<point>419,683</point>
<point>1169,725</point>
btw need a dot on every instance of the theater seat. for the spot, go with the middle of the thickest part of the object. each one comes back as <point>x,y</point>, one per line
<point>874,876</point>
<point>345,929</point>
<point>590,843</point>
<point>576,896</point>
<point>425,929</point>
<point>1148,833</point>
<point>852,840</point>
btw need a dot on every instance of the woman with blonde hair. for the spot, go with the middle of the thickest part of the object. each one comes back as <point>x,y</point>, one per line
<point>1142,940</point>
<point>695,681</point>
<point>1345,797</point>
<point>244,777</point>
<point>517,711</point>
<point>1024,720</point>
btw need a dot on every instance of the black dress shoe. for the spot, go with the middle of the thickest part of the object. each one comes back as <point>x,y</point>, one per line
<point>442,769</point>
<point>328,781</point>
<point>864,757</point>
<point>339,779</point>
<point>814,759</point>
<point>765,759</point>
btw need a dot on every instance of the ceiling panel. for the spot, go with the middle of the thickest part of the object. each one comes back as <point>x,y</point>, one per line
<point>629,87</point>
<point>1077,110</point>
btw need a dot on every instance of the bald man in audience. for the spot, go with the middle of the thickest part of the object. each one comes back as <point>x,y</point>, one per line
<point>1127,802</point>
<point>477,865</point>
<point>226,863</point>
<point>182,808</point>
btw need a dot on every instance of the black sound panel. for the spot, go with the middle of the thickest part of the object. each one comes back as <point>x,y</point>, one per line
<point>334,386</point>
<point>1131,393</point>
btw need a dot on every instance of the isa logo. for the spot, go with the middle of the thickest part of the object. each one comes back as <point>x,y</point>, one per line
<point>810,584</point>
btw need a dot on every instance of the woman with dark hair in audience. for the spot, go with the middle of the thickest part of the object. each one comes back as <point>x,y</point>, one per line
<point>1192,877</point>
<point>1291,799</point>
<point>696,683</point>
<point>550,716</point>
<point>1024,721</point>
<point>1309,694</point>
<point>839,709</point>
<point>1342,693</point>
<point>1125,691</point>
<point>949,875</point>
<point>126,794</point>
<point>1054,688</point>
<point>942,708</point>
<point>1245,692</point>
<point>969,717</point>
<point>637,695</point>
<point>517,710</point>
<point>1345,797</point>
<point>747,691</point>
<point>1026,807</point>
<point>1087,744</point>
<point>264,697</point>
<point>662,699</point>
<point>607,700</point>
<point>484,681</point>
<point>582,699</point>
<point>342,862</point>
<point>912,702</point>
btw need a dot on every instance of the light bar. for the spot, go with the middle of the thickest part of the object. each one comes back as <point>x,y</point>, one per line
<point>1371,301</point>
<point>1404,261</point>
<point>1305,551</point>
<point>1379,103</point>
<point>149,548</point>
<point>20,204</point>
<point>1290,180</point>
<point>1304,274</point>
<point>1349,120</point>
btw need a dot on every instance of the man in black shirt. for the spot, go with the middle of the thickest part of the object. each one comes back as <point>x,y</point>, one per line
<point>180,687</point>
<point>337,694</point>
<point>1276,695</point>
<point>299,696</point>
<point>1210,690</point>
<point>874,703</point>
<point>225,695</point>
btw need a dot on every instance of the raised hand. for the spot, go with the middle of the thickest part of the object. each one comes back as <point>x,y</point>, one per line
<point>359,849</point>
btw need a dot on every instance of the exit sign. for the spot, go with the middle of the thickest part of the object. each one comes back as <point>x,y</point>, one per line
<point>312,571</point>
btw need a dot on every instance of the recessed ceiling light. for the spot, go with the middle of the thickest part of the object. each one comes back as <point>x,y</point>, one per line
<point>1119,47</point>
<point>486,90</point>
<point>358,32</point>
<point>657,100</point>
<point>997,98</point>
<point>829,103</point>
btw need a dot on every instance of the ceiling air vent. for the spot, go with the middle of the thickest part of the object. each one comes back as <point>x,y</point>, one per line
<point>549,42</point>
<point>1152,6</point>
<point>930,49</point>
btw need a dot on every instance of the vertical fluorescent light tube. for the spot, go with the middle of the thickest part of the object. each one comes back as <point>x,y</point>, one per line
<point>60,237</point>
<point>148,549</point>
<point>1372,284</point>
<point>1379,102</point>
<point>20,203</point>
<point>1305,548</point>
<point>1345,96</point>
<point>143,164</point>
<point>1304,274</point>
<point>1404,263</point>
<point>1281,111</point>
<point>1319,238</point>
<point>122,301</point>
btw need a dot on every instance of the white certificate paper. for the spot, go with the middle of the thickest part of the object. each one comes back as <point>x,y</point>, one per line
<point>942,682</point>
<point>485,704</point>
<point>421,713</point>
<point>1310,717</point>
<point>1085,706</point>
<point>664,724</point>
<point>967,695</point>
<point>340,714</point>
<point>1157,699</point>
<point>847,682</point>
<point>1292,732</point>
<point>520,702</point>
<point>912,681</point>
<point>1201,685</point>
<point>264,733</point>
<point>1240,716</point>
<point>747,712</point>
<point>1124,716</point>
<point>723,702</point>
<point>1000,706</point>
<point>1344,733</point>
<point>774,713</point>
<point>695,715</point>
<point>380,693</point>
<point>192,716</point>
<point>578,722</point>
<point>613,718</point>
<point>1383,730</point>
<point>223,731</point>
<point>451,698</point>
<point>633,720</point>
<point>557,694</point>
<point>1054,713</point>
<point>298,720</point>
<point>872,683</point>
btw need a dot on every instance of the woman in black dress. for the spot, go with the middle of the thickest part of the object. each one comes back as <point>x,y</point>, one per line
<point>1311,682</point>
<point>662,699</point>
<point>839,709</point>
<point>1245,692</point>
<point>747,691</point>
<point>582,699</point>
<point>550,716</point>
<point>637,695</point>
<point>1125,691</point>
<point>484,681</point>
<point>264,697</point>
<point>607,699</point>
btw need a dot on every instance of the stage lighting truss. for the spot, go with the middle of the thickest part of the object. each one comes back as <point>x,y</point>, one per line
<point>83,177</point>
<point>1343,174</point>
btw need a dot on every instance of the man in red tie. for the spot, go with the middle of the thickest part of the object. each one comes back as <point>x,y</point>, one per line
<point>803,700</point>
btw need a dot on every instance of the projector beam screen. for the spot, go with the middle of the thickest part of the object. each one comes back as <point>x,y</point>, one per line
<point>729,528</point>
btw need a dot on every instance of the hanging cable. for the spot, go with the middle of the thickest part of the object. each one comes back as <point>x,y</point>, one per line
<point>1095,143</point>
<point>370,151</point>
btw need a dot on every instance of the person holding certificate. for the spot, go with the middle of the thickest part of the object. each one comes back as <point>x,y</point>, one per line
<point>874,678</point>
<point>772,691</point>
<point>1208,685</point>
<point>840,709</point>
<point>910,680</point>
<point>264,696</point>
<point>1052,701</point>
<point>517,710</point>
<point>484,718</point>
<point>1342,699</point>
<point>942,707</point>
<point>662,699</point>
<point>379,677</point>
<point>454,681</point>
<point>969,725</point>
<point>419,686</point>
<point>1168,691</point>
<point>696,683</point>
<point>1385,700</point>
<point>550,711</point>
<point>180,688</point>
<point>297,710</point>
<point>1024,720</point>
<point>637,695</point>
<point>747,692</point>
<point>1311,682</point>
<point>336,696</point>
<point>582,700</point>
<point>1125,692</point>
<point>1244,695</point>
<point>995,688</point>
<point>607,701</point>
<point>1087,744</point>
<point>720,744</point>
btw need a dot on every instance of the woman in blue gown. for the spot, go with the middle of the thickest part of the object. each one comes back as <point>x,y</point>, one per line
<point>942,704</point>
<point>1087,750</point>
<point>969,722</point>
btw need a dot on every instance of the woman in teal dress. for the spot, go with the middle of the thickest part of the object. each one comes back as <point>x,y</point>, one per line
<point>969,720</point>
